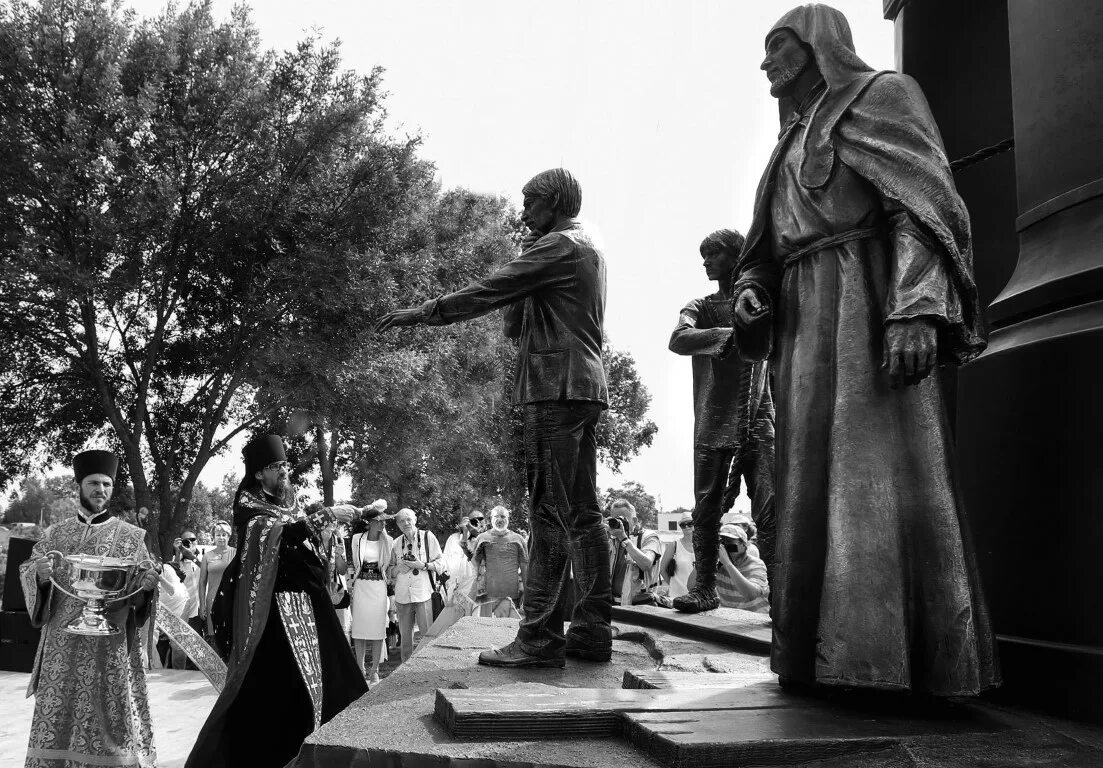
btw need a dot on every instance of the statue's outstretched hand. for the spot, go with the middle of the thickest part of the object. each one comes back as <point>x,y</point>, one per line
<point>411,316</point>
<point>747,307</point>
<point>911,350</point>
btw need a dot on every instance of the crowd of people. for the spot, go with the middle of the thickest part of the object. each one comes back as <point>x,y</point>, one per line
<point>647,571</point>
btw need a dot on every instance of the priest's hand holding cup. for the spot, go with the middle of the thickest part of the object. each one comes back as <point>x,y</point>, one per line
<point>748,307</point>
<point>147,579</point>
<point>43,570</point>
<point>343,513</point>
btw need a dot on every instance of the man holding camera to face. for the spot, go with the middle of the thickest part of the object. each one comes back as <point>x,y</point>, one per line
<point>634,551</point>
<point>459,548</point>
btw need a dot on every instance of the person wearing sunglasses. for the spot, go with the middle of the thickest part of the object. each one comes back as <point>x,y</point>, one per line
<point>677,565</point>
<point>274,613</point>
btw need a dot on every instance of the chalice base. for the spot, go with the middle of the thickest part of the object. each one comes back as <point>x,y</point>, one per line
<point>92,623</point>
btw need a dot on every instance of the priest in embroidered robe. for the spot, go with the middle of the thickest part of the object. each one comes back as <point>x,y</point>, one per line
<point>290,666</point>
<point>91,707</point>
<point>856,282</point>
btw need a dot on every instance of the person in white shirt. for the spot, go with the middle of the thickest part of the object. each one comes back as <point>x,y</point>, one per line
<point>678,560</point>
<point>370,552</point>
<point>173,597</point>
<point>415,554</point>
<point>458,551</point>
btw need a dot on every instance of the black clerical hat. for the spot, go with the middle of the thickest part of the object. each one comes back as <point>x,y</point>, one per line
<point>88,463</point>
<point>262,451</point>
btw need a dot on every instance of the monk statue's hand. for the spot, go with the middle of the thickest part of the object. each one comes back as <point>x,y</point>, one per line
<point>411,316</point>
<point>911,350</point>
<point>747,307</point>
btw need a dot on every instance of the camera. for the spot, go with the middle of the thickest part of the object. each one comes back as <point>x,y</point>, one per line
<point>618,523</point>
<point>409,557</point>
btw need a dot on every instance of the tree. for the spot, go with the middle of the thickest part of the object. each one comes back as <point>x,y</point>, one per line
<point>43,500</point>
<point>647,508</point>
<point>176,205</point>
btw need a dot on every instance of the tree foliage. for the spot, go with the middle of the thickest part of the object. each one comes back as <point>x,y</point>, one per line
<point>42,500</point>
<point>176,204</point>
<point>196,237</point>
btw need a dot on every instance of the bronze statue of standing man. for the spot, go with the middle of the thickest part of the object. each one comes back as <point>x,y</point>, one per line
<point>856,281</point>
<point>554,295</point>
<point>733,422</point>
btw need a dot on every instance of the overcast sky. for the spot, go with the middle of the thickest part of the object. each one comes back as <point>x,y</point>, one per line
<point>658,108</point>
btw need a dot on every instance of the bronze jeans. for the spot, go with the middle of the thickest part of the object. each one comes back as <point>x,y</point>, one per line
<point>561,466</point>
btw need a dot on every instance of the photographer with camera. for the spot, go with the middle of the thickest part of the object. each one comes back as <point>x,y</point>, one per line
<point>635,554</point>
<point>459,548</point>
<point>741,579</point>
<point>186,558</point>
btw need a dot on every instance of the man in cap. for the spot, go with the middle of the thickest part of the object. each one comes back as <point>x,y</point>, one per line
<point>90,691</point>
<point>856,280</point>
<point>554,295</point>
<point>741,580</point>
<point>733,419</point>
<point>274,613</point>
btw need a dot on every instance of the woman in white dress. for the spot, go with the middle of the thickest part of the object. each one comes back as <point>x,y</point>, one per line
<point>371,555</point>
<point>680,552</point>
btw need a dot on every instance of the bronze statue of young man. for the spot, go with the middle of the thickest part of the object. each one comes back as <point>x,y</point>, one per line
<point>554,295</point>
<point>856,280</point>
<point>733,422</point>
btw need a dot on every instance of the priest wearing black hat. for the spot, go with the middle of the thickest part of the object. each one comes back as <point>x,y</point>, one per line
<point>275,614</point>
<point>91,707</point>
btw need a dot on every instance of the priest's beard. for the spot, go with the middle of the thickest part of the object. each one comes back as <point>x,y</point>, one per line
<point>787,77</point>
<point>283,492</point>
<point>89,505</point>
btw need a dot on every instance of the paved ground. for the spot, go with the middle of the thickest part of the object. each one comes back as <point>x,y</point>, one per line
<point>179,703</point>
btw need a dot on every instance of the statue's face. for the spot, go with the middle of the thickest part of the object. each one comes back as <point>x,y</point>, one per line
<point>539,213</point>
<point>719,263</point>
<point>95,491</point>
<point>786,58</point>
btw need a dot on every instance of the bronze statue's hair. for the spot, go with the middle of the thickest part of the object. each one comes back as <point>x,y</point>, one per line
<point>557,181</point>
<point>726,240</point>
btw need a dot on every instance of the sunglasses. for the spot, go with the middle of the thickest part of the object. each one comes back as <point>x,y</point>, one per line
<point>685,525</point>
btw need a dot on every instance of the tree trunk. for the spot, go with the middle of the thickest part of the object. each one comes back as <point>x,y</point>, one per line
<point>143,497</point>
<point>325,463</point>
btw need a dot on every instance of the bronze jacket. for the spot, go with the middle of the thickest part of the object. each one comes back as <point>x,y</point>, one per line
<point>556,296</point>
